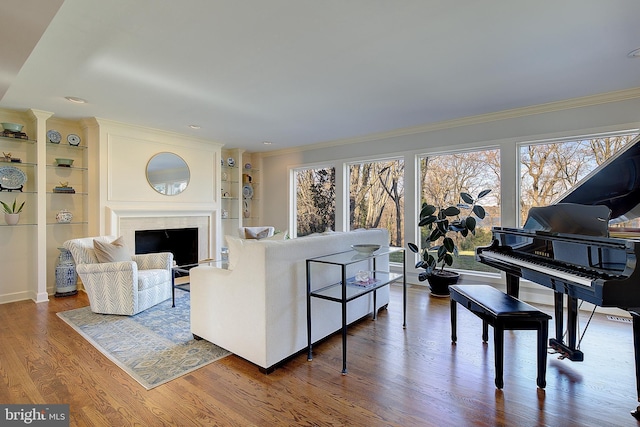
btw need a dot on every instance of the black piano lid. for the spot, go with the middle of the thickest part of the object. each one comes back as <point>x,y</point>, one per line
<point>615,184</point>
<point>570,218</point>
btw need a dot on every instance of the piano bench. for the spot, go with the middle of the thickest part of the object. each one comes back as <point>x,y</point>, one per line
<point>503,312</point>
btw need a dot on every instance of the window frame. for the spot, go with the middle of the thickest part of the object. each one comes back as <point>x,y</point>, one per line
<point>293,193</point>
<point>346,211</point>
<point>417,237</point>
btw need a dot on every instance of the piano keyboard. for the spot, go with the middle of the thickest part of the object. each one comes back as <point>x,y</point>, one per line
<point>574,277</point>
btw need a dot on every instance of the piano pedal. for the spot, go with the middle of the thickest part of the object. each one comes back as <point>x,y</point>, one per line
<point>561,355</point>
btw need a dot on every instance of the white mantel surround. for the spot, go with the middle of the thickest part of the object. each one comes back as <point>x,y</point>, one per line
<point>125,222</point>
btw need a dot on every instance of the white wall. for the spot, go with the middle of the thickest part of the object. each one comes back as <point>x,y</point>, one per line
<point>504,130</point>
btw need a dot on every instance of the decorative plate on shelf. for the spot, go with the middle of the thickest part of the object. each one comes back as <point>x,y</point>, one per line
<point>73,139</point>
<point>12,178</point>
<point>247,191</point>
<point>231,162</point>
<point>54,136</point>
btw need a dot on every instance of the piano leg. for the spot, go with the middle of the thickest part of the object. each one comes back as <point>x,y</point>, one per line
<point>567,350</point>
<point>513,285</point>
<point>558,304</point>
<point>572,322</point>
<point>635,315</point>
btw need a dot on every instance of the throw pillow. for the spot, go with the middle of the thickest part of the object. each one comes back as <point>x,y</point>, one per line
<point>111,252</point>
<point>254,234</point>
<point>278,236</point>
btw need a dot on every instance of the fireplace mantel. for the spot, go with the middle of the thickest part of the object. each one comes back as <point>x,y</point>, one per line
<point>125,222</point>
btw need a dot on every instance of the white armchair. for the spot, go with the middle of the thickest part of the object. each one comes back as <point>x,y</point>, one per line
<point>122,287</point>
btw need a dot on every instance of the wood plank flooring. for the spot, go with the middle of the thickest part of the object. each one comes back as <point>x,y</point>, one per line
<point>397,377</point>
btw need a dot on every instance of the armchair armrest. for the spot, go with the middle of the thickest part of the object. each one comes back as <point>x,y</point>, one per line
<point>160,260</point>
<point>106,267</point>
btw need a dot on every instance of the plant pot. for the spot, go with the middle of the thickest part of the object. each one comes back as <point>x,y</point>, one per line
<point>440,280</point>
<point>11,219</point>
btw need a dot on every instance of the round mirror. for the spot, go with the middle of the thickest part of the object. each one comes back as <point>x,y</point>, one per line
<point>168,174</point>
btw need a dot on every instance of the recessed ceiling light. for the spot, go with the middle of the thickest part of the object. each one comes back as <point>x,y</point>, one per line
<point>194,126</point>
<point>75,100</point>
<point>634,53</point>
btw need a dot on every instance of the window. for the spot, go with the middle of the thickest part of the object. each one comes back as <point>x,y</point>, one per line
<point>441,180</point>
<point>549,170</point>
<point>315,200</point>
<point>376,197</point>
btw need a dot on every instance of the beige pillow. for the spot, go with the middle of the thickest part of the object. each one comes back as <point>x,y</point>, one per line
<point>252,234</point>
<point>111,252</point>
<point>278,236</point>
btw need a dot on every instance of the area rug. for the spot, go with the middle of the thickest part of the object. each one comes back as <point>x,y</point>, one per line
<point>154,347</point>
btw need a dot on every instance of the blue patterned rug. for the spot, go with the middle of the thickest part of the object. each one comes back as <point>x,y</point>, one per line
<point>154,346</point>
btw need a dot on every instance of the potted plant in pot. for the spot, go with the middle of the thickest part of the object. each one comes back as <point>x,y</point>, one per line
<point>442,224</point>
<point>12,212</point>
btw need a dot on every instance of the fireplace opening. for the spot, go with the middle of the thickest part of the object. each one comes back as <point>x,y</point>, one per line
<point>181,242</point>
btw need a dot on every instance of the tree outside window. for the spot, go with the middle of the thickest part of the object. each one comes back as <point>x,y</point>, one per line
<point>441,180</point>
<point>549,170</point>
<point>315,200</point>
<point>376,197</point>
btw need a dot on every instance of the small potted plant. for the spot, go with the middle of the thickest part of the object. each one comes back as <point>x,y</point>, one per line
<point>12,212</point>
<point>441,224</point>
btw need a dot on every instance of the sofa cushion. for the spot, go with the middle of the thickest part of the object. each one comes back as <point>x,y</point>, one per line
<point>111,252</point>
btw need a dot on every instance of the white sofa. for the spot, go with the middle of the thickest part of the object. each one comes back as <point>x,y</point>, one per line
<point>257,308</point>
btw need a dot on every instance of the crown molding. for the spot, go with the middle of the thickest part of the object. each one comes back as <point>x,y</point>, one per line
<point>568,104</point>
<point>139,131</point>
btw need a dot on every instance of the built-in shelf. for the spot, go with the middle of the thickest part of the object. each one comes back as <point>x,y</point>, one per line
<point>68,223</point>
<point>19,224</point>
<point>18,164</point>
<point>77,193</point>
<point>8,139</point>
<point>67,169</point>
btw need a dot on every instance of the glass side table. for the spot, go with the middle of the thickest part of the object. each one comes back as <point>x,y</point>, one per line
<point>350,288</point>
<point>180,275</point>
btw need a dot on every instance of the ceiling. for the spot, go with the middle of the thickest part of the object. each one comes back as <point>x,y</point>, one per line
<point>299,72</point>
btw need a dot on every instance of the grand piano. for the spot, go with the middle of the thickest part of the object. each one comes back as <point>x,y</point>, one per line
<point>572,248</point>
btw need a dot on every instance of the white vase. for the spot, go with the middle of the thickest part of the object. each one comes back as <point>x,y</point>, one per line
<point>64,216</point>
<point>11,219</point>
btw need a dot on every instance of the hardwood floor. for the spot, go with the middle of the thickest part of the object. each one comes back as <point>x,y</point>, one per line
<point>397,377</point>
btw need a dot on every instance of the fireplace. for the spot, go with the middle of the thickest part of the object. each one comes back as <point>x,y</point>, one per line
<point>181,242</point>
<point>127,222</point>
